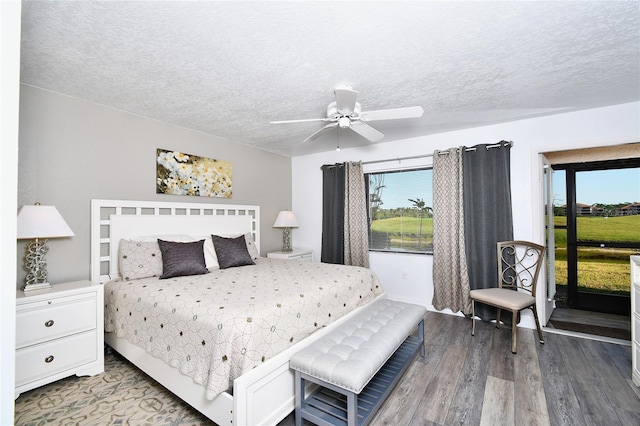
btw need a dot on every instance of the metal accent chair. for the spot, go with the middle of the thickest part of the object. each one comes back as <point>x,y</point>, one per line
<point>519,264</point>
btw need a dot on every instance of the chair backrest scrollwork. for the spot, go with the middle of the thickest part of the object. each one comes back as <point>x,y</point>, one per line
<point>519,264</point>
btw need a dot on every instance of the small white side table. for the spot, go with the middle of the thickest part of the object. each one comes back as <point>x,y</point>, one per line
<point>59,332</point>
<point>292,255</point>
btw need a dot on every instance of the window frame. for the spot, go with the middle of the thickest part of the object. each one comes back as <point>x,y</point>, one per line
<point>420,166</point>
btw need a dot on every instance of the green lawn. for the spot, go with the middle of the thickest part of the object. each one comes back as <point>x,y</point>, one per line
<point>598,228</point>
<point>403,233</point>
<point>406,225</point>
<point>598,276</point>
<point>599,269</point>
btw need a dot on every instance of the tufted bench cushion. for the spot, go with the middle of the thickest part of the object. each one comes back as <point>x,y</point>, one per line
<point>352,354</point>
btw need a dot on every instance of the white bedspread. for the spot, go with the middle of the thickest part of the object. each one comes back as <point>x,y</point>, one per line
<point>217,326</point>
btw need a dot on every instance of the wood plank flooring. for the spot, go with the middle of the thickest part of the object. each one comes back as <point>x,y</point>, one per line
<point>462,380</point>
<point>478,381</point>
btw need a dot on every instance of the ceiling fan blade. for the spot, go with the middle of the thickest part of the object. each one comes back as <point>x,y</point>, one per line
<point>366,131</point>
<point>345,99</point>
<point>306,120</point>
<point>318,132</point>
<point>392,114</point>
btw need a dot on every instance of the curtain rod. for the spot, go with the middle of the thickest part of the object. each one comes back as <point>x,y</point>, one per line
<point>473,148</point>
<point>499,144</point>
<point>413,157</point>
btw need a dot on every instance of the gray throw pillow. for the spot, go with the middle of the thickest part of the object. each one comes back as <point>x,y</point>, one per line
<point>231,251</point>
<point>180,259</point>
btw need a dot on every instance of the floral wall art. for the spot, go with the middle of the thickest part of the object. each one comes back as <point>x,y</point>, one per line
<point>186,174</point>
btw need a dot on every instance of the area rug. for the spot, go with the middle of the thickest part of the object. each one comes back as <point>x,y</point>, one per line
<point>122,395</point>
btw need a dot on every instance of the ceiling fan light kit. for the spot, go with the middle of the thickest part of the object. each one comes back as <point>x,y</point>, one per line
<point>346,113</point>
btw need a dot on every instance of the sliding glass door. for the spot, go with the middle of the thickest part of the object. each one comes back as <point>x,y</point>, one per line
<point>596,230</point>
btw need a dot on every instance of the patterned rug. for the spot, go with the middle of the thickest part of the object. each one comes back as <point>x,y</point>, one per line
<point>122,395</point>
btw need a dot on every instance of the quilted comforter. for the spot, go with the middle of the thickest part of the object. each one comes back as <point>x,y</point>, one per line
<point>217,326</point>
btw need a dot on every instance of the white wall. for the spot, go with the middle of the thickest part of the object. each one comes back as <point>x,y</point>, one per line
<point>9,94</point>
<point>409,277</point>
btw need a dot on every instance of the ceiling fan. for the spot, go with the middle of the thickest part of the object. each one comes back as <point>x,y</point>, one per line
<point>346,113</point>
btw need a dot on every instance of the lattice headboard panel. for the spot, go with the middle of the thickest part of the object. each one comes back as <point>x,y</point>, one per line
<point>159,218</point>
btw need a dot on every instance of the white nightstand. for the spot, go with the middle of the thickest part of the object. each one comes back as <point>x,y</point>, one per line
<point>290,255</point>
<point>59,332</point>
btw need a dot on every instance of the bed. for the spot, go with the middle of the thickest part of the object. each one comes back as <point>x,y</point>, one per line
<point>244,321</point>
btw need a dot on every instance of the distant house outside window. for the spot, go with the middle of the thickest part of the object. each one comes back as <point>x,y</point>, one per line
<point>401,211</point>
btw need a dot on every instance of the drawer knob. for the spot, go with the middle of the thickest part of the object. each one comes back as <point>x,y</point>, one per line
<point>48,359</point>
<point>48,323</point>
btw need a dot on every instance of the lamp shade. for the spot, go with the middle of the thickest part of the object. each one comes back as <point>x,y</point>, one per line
<point>286,219</point>
<point>36,221</point>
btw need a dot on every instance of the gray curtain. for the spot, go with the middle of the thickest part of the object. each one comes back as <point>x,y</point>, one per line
<point>332,214</point>
<point>450,278</point>
<point>488,214</point>
<point>356,226</point>
<point>345,226</point>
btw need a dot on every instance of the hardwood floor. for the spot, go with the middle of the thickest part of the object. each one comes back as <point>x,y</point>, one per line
<point>478,381</point>
<point>462,380</point>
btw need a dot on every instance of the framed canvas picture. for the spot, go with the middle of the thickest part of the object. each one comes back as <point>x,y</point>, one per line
<point>185,174</point>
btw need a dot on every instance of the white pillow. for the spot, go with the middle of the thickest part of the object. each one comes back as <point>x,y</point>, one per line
<point>139,259</point>
<point>210,258</point>
<point>251,246</point>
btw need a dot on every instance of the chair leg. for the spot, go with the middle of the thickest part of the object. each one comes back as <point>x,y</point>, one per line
<point>473,317</point>
<point>535,316</point>
<point>498,317</point>
<point>514,331</point>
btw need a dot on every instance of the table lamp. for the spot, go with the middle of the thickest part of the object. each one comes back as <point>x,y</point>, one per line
<point>39,223</point>
<point>286,220</point>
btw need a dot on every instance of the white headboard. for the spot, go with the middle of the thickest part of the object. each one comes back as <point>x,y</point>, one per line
<point>112,220</point>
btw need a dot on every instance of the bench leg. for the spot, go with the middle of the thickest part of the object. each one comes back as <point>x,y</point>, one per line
<point>299,388</point>
<point>421,336</point>
<point>352,409</point>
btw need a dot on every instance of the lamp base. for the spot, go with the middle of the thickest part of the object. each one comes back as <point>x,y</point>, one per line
<point>34,287</point>
<point>286,239</point>
<point>35,263</point>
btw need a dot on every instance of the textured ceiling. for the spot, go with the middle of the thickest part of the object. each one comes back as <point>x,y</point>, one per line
<point>228,68</point>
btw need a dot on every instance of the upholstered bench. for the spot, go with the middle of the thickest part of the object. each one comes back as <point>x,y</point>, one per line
<point>357,365</point>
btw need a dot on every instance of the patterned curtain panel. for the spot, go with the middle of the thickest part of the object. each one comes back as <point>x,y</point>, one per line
<point>488,215</point>
<point>333,177</point>
<point>356,228</point>
<point>450,278</point>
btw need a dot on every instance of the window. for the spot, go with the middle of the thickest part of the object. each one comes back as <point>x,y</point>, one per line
<point>400,211</point>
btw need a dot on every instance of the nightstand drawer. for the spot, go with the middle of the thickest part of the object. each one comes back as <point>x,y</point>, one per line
<point>46,359</point>
<point>46,320</point>
<point>307,257</point>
